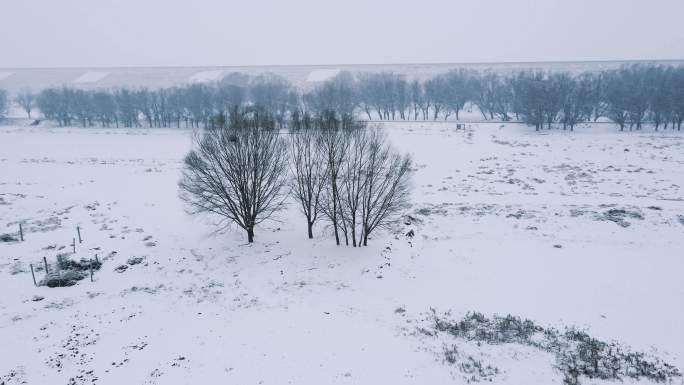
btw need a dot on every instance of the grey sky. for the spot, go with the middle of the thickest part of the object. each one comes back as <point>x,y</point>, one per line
<point>47,33</point>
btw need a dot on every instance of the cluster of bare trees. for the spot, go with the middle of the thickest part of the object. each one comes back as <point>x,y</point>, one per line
<point>26,100</point>
<point>540,99</point>
<point>630,96</point>
<point>640,94</point>
<point>349,177</point>
<point>193,105</point>
<point>238,174</point>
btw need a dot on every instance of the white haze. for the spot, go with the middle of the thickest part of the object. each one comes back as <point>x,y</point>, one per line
<point>48,33</point>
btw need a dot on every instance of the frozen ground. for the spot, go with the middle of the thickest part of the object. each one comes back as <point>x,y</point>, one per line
<point>505,220</point>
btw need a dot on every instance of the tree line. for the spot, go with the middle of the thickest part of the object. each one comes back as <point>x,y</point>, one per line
<point>4,103</point>
<point>631,96</point>
<point>343,174</point>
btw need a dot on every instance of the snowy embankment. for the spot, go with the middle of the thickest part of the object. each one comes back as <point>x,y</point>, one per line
<point>576,229</point>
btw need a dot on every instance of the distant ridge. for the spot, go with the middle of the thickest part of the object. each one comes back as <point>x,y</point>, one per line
<point>14,79</point>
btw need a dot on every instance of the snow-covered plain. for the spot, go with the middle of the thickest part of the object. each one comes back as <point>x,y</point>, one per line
<point>506,220</point>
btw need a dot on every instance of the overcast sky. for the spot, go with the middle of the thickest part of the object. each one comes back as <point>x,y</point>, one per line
<point>60,33</point>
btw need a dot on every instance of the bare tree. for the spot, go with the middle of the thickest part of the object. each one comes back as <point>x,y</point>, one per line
<point>458,90</point>
<point>678,99</point>
<point>617,99</point>
<point>575,99</point>
<point>353,179</point>
<point>373,184</point>
<point>485,86</point>
<point>337,94</point>
<point>239,175</point>
<point>273,93</point>
<point>104,107</point>
<point>386,185</point>
<point>417,97</point>
<point>530,91</point>
<point>385,92</point>
<point>334,144</point>
<point>435,91</point>
<point>309,166</point>
<point>26,100</point>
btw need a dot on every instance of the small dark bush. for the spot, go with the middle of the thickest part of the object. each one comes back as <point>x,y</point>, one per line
<point>66,263</point>
<point>135,260</point>
<point>7,238</point>
<point>63,279</point>
<point>620,216</point>
<point>68,272</point>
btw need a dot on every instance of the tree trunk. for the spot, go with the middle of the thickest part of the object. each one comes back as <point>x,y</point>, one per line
<point>310,228</point>
<point>250,234</point>
<point>334,213</point>
<point>353,229</point>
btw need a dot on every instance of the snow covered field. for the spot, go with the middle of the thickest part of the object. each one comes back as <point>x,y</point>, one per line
<point>580,229</point>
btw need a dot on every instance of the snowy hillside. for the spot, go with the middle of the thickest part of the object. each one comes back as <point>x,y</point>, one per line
<point>304,76</point>
<point>578,229</point>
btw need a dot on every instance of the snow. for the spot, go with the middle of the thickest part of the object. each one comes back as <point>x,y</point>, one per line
<point>91,77</point>
<point>490,206</point>
<point>321,75</point>
<point>206,76</point>
<point>5,74</point>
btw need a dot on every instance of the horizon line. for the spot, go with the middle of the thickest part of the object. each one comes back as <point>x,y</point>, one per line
<point>349,64</point>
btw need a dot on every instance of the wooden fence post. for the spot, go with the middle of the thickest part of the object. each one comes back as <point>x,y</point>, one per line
<point>73,243</point>
<point>78,230</point>
<point>21,232</point>
<point>46,267</point>
<point>33,275</point>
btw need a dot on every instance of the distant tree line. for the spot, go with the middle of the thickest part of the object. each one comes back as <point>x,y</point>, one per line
<point>631,96</point>
<point>4,103</point>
